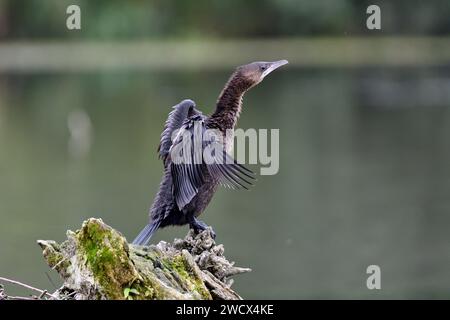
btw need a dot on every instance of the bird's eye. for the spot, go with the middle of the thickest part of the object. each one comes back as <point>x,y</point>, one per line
<point>263,68</point>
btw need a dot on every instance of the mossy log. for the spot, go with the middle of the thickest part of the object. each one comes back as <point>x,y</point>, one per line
<point>96,262</point>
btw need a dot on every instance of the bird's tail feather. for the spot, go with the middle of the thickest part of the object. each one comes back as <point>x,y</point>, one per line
<point>145,235</point>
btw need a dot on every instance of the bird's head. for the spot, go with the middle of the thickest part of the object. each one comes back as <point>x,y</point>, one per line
<point>253,73</point>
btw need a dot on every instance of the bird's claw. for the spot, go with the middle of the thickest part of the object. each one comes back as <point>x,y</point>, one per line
<point>198,226</point>
<point>212,233</point>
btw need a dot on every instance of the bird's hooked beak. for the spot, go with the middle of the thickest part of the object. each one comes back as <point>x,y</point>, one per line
<point>274,65</point>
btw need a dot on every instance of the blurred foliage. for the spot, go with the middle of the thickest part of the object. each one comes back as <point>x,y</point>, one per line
<point>106,19</point>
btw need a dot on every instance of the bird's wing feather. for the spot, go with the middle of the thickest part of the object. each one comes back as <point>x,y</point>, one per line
<point>189,166</point>
<point>174,121</point>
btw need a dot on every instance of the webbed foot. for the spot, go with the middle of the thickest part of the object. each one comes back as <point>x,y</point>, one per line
<point>199,226</point>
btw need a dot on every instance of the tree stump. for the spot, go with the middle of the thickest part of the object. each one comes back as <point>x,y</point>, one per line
<point>96,262</point>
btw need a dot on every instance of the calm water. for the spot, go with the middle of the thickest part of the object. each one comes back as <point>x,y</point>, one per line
<point>364,175</point>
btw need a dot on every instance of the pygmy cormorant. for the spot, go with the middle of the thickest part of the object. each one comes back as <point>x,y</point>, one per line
<point>191,176</point>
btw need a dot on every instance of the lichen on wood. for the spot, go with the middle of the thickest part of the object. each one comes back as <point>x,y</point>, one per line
<point>96,262</point>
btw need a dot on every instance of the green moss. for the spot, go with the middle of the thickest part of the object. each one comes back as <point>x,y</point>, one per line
<point>179,264</point>
<point>54,257</point>
<point>199,287</point>
<point>151,286</point>
<point>122,274</point>
<point>106,254</point>
<point>148,289</point>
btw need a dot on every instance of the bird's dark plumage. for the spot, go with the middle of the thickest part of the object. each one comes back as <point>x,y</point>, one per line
<point>177,116</point>
<point>193,167</point>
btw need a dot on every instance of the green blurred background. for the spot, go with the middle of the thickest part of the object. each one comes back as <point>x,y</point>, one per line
<point>364,123</point>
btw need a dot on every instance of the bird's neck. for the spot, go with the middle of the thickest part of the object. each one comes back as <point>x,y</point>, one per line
<point>229,103</point>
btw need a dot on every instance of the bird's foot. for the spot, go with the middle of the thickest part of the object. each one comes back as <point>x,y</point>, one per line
<point>198,226</point>
<point>211,231</point>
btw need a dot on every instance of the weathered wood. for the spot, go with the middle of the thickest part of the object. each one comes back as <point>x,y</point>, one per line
<point>3,295</point>
<point>96,262</point>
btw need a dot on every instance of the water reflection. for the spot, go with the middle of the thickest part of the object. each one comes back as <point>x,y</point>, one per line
<point>80,129</point>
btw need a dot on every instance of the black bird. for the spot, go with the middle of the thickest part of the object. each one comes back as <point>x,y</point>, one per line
<point>190,180</point>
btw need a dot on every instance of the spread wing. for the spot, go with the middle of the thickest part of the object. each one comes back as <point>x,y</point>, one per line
<point>177,116</point>
<point>197,152</point>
